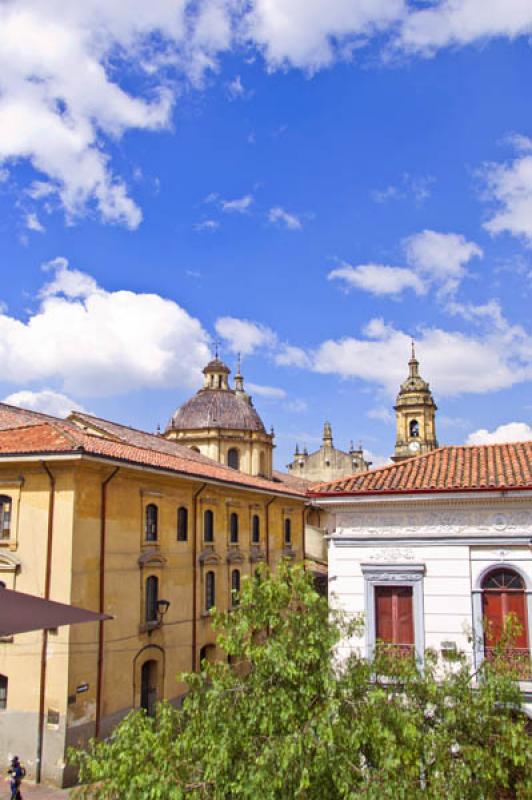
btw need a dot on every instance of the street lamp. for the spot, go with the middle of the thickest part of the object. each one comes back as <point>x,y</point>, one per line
<point>162,608</point>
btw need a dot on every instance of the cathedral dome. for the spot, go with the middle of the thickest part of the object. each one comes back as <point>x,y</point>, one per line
<point>215,408</point>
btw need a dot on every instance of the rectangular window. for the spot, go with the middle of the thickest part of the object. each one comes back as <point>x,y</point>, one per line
<point>394,618</point>
<point>3,692</point>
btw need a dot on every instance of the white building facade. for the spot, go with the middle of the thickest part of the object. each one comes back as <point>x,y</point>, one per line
<point>432,567</point>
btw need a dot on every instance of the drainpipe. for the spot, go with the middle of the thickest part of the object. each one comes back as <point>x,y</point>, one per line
<point>304,538</point>
<point>101,600</point>
<point>268,504</point>
<point>195,573</point>
<point>44,646</point>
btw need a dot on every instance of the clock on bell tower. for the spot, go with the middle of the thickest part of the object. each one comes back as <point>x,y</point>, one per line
<point>415,412</point>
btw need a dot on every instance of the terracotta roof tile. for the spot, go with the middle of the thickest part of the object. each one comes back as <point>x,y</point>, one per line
<point>61,436</point>
<point>460,468</point>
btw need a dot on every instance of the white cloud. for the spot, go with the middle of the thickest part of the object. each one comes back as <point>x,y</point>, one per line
<point>67,70</point>
<point>441,257</point>
<point>291,356</point>
<point>418,188</point>
<point>235,89</point>
<point>100,343</point>
<point>382,413</point>
<point>68,282</point>
<point>296,406</point>
<point>240,205</point>
<point>523,144</point>
<point>509,186</point>
<point>312,33</point>
<point>33,223</point>
<point>207,225</point>
<point>455,363</point>
<point>270,392</point>
<point>510,432</point>
<point>378,279</point>
<point>244,336</point>
<point>60,99</point>
<point>47,401</point>
<point>278,216</point>
<point>460,22</point>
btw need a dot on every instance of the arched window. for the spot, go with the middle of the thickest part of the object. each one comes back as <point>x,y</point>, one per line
<point>194,448</point>
<point>3,692</point>
<point>233,458</point>
<point>504,597</point>
<point>414,428</point>
<point>148,687</point>
<point>288,531</point>
<point>182,524</point>
<point>210,591</point>
<point>208,526</point>
<point>207,653</point>
<point>255,529</point>
<point>5,516</point>
<point>152,592</point>
<point>151,522</point>
<point>262,463</point>
<point>233,528</point>
<point>235,587</point>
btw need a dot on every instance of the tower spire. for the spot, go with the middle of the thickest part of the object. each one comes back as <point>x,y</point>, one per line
<point>413,364</point>
<point>327,435</point>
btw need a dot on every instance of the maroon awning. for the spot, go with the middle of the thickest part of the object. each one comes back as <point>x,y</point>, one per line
<point>20,612</point>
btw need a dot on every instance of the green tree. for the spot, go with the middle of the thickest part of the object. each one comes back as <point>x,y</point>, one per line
<point>287,719</point>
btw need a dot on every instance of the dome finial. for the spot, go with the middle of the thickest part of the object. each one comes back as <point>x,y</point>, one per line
<point>239,379</point>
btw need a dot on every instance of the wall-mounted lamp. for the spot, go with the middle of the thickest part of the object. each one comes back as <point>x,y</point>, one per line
<point>162,608</point>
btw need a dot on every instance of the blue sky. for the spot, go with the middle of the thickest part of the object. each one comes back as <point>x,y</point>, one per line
<point>313,184</point>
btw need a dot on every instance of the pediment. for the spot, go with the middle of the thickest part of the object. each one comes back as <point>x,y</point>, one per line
<point>152,558</point>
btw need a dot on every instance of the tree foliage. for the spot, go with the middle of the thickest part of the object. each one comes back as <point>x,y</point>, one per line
<point>287,719</point>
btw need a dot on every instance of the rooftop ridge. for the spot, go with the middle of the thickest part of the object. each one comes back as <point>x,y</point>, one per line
<point>112,422</point>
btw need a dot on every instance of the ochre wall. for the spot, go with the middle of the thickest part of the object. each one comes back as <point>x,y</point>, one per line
<point>71,679</point>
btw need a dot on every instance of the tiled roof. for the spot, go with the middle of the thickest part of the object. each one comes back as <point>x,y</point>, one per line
<point>457,469</point>
<point>124,433</point>
<point>15,417</point>
<point>63,437</point>
<point>291,480</point>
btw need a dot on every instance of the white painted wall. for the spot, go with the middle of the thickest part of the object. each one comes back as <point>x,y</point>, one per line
<point>454,537</point>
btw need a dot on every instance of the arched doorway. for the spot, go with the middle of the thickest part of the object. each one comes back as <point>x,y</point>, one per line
<point>504,597</point>
<point>148,686</point>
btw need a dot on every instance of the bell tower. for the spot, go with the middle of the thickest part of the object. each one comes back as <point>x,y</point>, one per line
<point>415,412</point>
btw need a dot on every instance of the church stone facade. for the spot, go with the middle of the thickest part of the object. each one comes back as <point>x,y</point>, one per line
<point>328,462</point>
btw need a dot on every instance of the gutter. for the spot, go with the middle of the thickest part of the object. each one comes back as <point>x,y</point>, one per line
<point>268,530</point>
<point>407,492</point>
<point>101,600</point>
<point>195,574</point>
<point>44,646</point>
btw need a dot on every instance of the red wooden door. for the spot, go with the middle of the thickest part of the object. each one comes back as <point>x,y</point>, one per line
<point>394,616</point>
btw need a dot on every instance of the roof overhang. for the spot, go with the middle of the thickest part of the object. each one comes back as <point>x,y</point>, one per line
<point>78,456</point>
<point>420,496</point>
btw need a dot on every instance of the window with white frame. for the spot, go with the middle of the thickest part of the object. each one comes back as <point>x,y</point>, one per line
<point>394,607</point>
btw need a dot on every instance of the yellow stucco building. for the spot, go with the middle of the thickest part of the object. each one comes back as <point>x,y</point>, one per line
<point>134,525</point>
